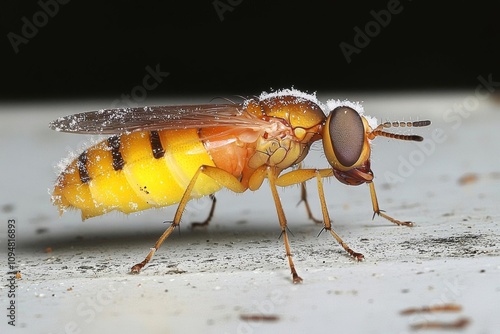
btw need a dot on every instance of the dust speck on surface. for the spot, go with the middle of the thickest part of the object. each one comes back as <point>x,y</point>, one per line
<point>7,208</point>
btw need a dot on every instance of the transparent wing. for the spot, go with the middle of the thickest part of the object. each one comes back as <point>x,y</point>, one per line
<point>120,120</point>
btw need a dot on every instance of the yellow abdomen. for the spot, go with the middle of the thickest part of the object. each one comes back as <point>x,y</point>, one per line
<point>134,172</point>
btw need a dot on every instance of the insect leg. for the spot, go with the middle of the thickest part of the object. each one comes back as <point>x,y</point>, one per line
<point>224,178</point>
<point>210,214</point>
<point>302,175</point>
<point>271,175</point>
<point>303,198</point>
<point>328,224</point>
<point>377,211</point>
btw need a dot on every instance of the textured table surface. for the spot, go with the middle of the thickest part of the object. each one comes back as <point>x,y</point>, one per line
<point>233,277</point>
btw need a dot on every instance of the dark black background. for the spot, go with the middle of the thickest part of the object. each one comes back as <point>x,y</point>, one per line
<point>95,50</point>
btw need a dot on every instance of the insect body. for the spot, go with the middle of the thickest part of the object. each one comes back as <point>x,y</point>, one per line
<point>158,156</point>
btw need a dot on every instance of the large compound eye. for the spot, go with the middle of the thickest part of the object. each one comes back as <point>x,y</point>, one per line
<point>347,134</point>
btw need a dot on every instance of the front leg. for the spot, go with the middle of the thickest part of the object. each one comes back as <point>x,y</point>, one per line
<point>302,175</point>
<point>377,211</point>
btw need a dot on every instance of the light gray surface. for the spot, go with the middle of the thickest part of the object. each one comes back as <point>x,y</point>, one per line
<point>204,280</point>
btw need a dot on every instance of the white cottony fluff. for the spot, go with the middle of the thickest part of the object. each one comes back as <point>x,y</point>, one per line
<point>329,106</point>
<point>332,104</point>
<point>293,92</point>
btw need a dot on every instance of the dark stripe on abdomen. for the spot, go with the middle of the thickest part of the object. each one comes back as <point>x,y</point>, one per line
<point>82,167</point>
<point>114,145</point>
<point>156,147</point>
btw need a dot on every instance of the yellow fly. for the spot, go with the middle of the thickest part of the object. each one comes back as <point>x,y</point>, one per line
<point>164,155</point>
